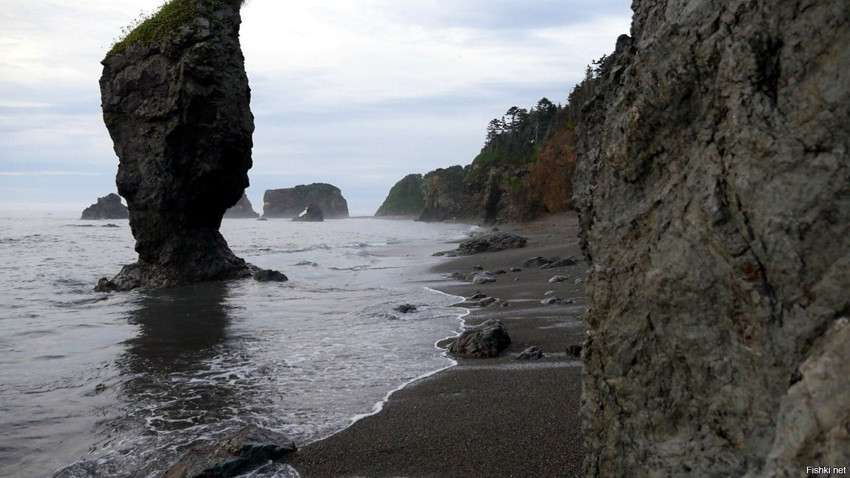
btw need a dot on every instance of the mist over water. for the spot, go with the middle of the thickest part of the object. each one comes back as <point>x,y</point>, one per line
<point>123,384</point>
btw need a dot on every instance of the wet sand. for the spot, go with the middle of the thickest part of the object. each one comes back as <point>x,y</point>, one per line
<point>499,417</point>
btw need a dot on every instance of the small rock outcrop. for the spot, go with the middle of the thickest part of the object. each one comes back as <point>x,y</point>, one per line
<point>107,207</point>
<point>481,277</point>
<point>531,353</point>
<point>404,199</point>
<point>269,275</point>
<point>175,100</point>
<point>496,241</point>
<point>244,451</point>
<point>482,341</point>
<point>291,202</point>
<point>405,308</point>
<point>313,213</point>
<point>242,210</point>
<point>713,187</point>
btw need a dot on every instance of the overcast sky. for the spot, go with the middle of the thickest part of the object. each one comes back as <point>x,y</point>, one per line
<point>356,93</point>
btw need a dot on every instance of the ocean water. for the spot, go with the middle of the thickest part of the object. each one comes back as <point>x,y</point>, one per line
<point>123,384</point>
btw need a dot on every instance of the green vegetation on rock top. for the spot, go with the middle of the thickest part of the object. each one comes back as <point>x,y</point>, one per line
<point>404,199</point>
<point>172,15</point>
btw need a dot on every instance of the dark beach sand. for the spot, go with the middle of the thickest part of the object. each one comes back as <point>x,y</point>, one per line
<point>498,417</point>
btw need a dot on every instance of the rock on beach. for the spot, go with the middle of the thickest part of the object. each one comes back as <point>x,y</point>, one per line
<point>482,341</point>
<point>497,241</point>
<point>242,452</point>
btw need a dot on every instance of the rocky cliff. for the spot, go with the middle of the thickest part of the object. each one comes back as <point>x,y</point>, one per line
<point>175,100</point>
<point>107,207</point>
<point>496,188</point>
<point>524,170</point>
<point>404,199</point>
<point>443,195</point>
<point>291,202</point>
<point>242,209</point>
<point>550,178</point>
<point>713,188</point>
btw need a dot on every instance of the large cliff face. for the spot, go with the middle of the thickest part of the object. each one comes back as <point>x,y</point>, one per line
<point>291,202</point>
<point>713,188</point>
<point>175,100</point>
<point>443,195</point>
<point>550,179</point>
<point>496,189</point>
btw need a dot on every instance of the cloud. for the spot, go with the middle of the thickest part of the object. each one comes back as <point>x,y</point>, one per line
<point>47,173</point>
<point>357,93</point>
<point>382,49</point>
<point>508,16</point>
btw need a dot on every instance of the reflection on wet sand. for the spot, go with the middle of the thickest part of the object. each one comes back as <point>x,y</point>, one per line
<point>172,391</point>
<point>178,329</point>
<point>174,379</point>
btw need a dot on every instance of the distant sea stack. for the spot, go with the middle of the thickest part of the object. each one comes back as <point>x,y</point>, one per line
<point>242,210</point>
<point>175,100</point>
<point>713,187</point>
<point>107,207</point>
<point>404,199</point>
<point>291,202</point>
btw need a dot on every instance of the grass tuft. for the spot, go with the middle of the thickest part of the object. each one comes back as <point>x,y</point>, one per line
<point>172,15</point>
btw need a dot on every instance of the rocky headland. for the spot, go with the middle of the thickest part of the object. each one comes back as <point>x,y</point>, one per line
<point>524,171</point>
<point>175,100</point>
<point>444,196</point>
<point>107,207</point>
<point>291,202</point>
<point>242,209</point>
<point>713,188</point>
<point>404,199</point>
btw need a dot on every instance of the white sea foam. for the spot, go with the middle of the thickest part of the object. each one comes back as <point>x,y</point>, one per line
<point>123,384</point>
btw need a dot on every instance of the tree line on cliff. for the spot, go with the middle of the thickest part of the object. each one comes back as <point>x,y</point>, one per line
<point>524,169</point>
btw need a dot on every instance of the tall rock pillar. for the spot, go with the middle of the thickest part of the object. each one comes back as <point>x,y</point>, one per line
<point>713,188</point>
<point>175,100</point>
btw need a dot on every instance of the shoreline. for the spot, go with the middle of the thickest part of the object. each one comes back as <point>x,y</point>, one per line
<point>483,417</point>
<point>379,406</point>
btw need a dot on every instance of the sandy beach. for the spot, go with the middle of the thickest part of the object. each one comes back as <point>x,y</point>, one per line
<point>498,417</point>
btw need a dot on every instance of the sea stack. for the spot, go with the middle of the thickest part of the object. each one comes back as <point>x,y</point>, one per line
<point>713,188</point>
<point>291,202</point>
<point>242,210</point>
<point>107,207</point>
<point>175,100</point>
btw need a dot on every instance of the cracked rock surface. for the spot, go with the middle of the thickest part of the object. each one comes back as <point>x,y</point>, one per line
<point>713,189</point>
